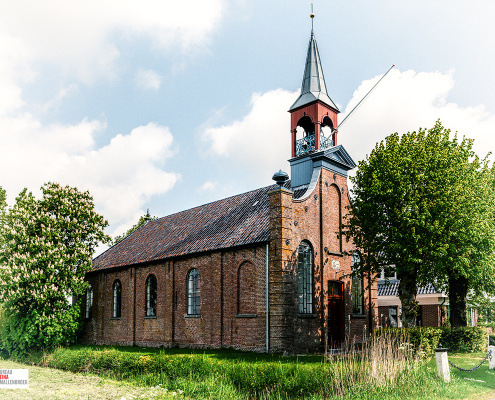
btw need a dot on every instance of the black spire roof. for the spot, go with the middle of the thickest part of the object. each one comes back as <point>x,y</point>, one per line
<point>313,85</point>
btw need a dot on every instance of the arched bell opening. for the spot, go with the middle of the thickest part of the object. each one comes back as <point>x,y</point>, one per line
<point>326,133</point>
<point>307,124</point>
<point>305,137</point>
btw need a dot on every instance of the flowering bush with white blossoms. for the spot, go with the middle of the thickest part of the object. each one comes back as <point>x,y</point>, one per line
<point>46,251</point>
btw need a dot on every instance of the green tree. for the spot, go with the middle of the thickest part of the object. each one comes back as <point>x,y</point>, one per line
<point>425,203</point>
<point>3,206</point>
<point>48,246</point>
<point>142,220</point>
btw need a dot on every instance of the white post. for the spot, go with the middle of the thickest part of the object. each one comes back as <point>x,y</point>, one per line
<point>443,370</point>
<point>491,357</point>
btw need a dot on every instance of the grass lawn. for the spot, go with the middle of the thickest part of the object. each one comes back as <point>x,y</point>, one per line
<point>212,374</point>
<point>49,383</point>
<point>482,379</point>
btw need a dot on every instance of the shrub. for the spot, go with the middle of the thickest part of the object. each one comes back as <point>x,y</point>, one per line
<point>466,339</point>
<point>424,338</point>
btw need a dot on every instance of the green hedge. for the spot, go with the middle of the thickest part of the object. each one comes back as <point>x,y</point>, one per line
<point>426,337</point>
<point>465,340</point>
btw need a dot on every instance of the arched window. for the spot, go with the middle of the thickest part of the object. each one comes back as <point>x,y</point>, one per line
<point>89,302</point>
<point>151,296</point>
<point>193,292</point>
<point>357,287</point>
<point>333,224</point>
<point>117,299</point>
<point>305,279</point>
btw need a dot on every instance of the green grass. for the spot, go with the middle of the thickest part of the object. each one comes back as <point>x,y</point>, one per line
<point>50,384</point>
<point>468,361</point>
<point>229,374</point>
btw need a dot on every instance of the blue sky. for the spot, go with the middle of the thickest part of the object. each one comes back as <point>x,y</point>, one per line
<point>169,105</point>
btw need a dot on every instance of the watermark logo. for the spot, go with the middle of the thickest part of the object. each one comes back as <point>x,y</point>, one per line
<point>14,379</point>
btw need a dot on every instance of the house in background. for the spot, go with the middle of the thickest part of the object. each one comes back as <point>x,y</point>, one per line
<point>434,305</point>
<point>264,270</point>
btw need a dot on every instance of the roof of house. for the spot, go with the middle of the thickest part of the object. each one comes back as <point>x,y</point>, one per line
<point>235,221</point>
<point>391,288</point>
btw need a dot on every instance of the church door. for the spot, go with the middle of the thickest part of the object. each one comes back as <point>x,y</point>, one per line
<point>335,314</point>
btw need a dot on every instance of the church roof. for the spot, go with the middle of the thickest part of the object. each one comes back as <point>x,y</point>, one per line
<point>235,221</point>
<point>313,86</point>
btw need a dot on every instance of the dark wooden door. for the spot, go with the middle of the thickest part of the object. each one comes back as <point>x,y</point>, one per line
<point>335,317</point>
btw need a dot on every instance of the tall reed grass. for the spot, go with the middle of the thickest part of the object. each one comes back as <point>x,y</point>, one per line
<point>381,361</point>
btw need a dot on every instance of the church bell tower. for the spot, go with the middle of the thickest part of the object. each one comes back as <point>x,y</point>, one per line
<point>314,126</point>
<point>313,109</point>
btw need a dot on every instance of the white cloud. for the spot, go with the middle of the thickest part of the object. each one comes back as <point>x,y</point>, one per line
<point>261,140</point>
<point>148,79</point>
<point>403,102</point>
<point>14,68</point>
<point>80,39</point>
<point>82,36</point>
<point>208,186</point>
<point>125,226</point>
<point>406,101</point>
<point>121,176</point>
<point>57,100</point>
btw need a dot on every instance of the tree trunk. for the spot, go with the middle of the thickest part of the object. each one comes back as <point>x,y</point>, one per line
<point>458,288</point>
<point>407,295</point>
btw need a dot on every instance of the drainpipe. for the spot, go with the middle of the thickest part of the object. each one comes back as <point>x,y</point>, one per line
<point>267,302</point>
<point>174,302</point>
<point>221,298</point>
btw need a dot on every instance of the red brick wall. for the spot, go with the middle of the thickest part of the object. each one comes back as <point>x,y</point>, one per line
<point>324,207</point>
<point>233,315</point>
<point>430,315</point>
<point>383,316</point>
<point>217,325</point>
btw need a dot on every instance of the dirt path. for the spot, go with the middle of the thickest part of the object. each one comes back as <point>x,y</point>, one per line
<point>47,383</point>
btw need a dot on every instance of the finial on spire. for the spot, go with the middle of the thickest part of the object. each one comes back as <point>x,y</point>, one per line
<point>312,15</point>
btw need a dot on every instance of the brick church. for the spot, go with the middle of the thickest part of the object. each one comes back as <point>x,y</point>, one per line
<point>264,271</point>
